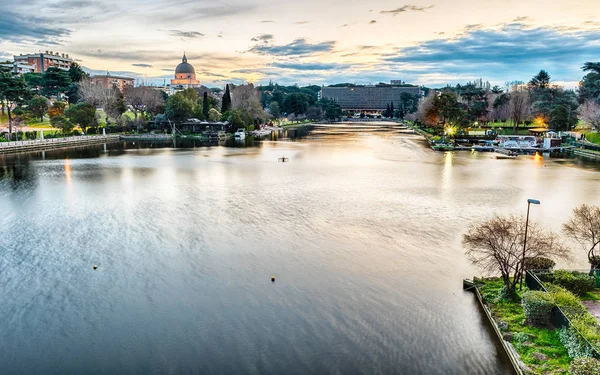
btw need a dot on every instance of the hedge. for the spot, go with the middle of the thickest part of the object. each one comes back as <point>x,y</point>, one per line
<point>577,282</point>
<point>537,306</point>
<point>584,366</point>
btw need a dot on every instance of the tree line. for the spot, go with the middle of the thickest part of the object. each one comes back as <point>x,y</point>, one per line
<point>537,102</point>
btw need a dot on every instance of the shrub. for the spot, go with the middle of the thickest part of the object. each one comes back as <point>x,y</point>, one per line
<point>584,366</point>
<point>566,300</point>
<point>520,337</point>
<point>573,342</point>
<point>537,306</point>
<point>539,263</point>
<point>577,282</point>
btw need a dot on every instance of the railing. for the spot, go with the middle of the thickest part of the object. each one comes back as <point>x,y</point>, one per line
<point>54,140</point>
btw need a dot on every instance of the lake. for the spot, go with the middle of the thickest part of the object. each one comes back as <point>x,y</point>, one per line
<point>361,229</point>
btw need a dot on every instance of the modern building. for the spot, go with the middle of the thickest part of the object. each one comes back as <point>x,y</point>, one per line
<point>108,80</point>
<point>44,60</point>
<point>19,68</point>
<point>185,76</point>
<point>367,98</point>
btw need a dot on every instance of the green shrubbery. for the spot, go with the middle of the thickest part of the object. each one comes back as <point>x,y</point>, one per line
<point>537,306</point>
<point>571,340</point>
<point>577,282</point>
<point>584,366</point>
<point>539,263</point>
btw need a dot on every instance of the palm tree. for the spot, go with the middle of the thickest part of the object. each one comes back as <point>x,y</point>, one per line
<point>591,67</point>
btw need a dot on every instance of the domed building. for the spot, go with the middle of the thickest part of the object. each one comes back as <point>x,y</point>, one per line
<point>185,75</point>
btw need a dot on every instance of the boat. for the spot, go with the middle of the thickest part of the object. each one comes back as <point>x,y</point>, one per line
<point>505,156</point>
<point>443,146</point>
<point>239,134</point>
<point>517,141</point>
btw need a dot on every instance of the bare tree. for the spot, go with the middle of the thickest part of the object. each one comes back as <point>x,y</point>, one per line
<point>97,95</point>
<point>143,99</point>
<point>519,107</point>
<point>589,112</point>
<point>246,98</point>
<point>584,227</point>
<point>497,245</point>
<point>424,107</point>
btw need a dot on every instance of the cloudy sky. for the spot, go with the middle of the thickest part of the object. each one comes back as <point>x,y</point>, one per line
<point>430,42</point>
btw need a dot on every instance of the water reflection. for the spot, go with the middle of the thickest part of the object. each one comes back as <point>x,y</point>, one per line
<point>365,248</point>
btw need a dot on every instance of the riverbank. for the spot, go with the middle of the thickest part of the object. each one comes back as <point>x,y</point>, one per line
<point>52,143</point>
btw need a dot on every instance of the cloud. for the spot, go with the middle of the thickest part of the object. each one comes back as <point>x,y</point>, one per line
<point>186,34</point>
<point>267,21</point>
<point>406,8</point>
<point>301,22</point>
<point>18,28</point>
<point>298,47</point>
<point>311,66</point>
<point>140,65</point>
<point>195,13</point>
<point>515,51</point>
<point>372,22</point>
<point>344,25</point>
<point>265,38</point>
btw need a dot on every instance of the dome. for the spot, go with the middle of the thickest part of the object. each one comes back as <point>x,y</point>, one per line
<point>184,67</point>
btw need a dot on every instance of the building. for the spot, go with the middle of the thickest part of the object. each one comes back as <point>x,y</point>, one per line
<point>44,60</point>
<point>185,76</point>
<point>367,98</point>
<point>19,68</point>
<point>108,80</point>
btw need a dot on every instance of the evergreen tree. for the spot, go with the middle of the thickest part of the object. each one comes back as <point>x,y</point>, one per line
<point>205,105</point>
<point>226,106</point>
<point>13,89</point>
<point>387,111</point>
<point>392,109</point>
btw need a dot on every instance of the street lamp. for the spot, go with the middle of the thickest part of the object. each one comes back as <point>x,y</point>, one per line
<point>529,202</point>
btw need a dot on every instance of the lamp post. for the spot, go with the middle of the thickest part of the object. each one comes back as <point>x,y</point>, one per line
<point>529,202</point>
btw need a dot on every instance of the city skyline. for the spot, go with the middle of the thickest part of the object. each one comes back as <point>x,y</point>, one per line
<point>423,42</point>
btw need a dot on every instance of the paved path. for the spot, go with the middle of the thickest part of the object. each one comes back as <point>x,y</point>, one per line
<point>593,308</point>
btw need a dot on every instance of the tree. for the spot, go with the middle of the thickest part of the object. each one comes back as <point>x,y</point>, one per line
<point>97,95</point>
<point>387,111</point>
<point>584,227</point>
<point>205,104</point>
<point>559,118</point>
<point>178,108</point>
<point>82,114</point>
<point>590,114</point>
<point>38,105</point>
<point>246,99</point>
<point>143,99</point>
<point>314,113</point>
<point>76,74</point>
<point>274,109</point>
<point>497,90</point>
<point>34,81</point>
<point>57,109</point>
<point>235,119</point>
<point>296,103</point>
<point>226,104</point>
<point>518,107</point>
<point>213,115</point>
<point>117,107</point>
<point>61,122</point>
<point>540,80</point>
<point>55,81</point>
<point>13,91</point>
<point>331,109</point>
<point>497,245</point>
<point>408,104</point>
<point>591,67</point>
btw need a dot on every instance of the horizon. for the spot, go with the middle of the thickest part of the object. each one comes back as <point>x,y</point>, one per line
<point>427,43</point>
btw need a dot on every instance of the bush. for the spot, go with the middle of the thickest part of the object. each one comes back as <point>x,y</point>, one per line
<point>520,337</point>
<point>573,342</point>
<point>537,306</point>
<point>584,366</point>
<point>567,301</point>
<point>577,282</point>
<point>539,263</point>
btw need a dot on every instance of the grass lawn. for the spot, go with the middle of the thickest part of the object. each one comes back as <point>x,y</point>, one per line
<point>527,339</point>
<point>593,137</point>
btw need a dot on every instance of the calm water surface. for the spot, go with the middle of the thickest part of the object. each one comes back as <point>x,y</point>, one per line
<point>361,229</point>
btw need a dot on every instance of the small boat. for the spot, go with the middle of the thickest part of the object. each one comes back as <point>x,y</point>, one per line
<point>505,156</point>
<point>239,134</point>
<point>442,146</point>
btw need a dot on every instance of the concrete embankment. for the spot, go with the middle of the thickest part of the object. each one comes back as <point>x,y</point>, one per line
<point>52,143</point>
<point>588,154</point>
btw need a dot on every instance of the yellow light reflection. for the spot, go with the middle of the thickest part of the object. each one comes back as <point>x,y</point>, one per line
<point>538,158</point>
<point>447,171</point>
<point>68,171</point>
